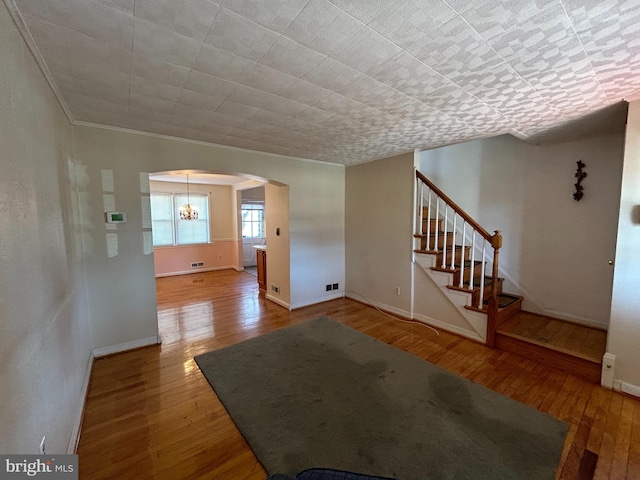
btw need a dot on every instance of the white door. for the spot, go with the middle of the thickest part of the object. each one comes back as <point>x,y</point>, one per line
<point>252,232</point>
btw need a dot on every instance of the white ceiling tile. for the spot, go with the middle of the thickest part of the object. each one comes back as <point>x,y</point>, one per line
<point>195,113</point>
<point>276,15</point>
<point>365,10</point>
<point>240,36</point>
<point>69,49</point>
<point>323,27</point>
<point>205,103</point>
<point>206,84</point>
<point>148,107</point>
<point>366,50</point>
<point>466,64</point>
<point>156,42</point>
<point>186,118</point>
<point>266,101</point>
<point>268,80</point>
<point>493,18</point>
<point>189,18</point>
<point>331,75</point>
<point>409,75</point>
<point>452,39</point>
<point>148,88</point>
<point>593,14</point>
<point>155,70</point>
<point>223,64</point>
<point>304,92</point>
<point>402,74</point>
<point>224,122</point>
<point>252,125</point>
<point>124,5</point>
<point>292,58</point>
<point>409,20</point>
<point>270,118</point>
<point>113,92</point>
<point>234,109</point>
<point>88,17</point>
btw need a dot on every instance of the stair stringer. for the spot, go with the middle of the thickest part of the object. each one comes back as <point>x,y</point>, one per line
<point>477,320</point>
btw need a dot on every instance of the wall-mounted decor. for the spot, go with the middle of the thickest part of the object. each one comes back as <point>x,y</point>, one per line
<point>580,175</point>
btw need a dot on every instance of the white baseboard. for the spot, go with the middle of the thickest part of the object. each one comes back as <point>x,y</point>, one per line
<point>278,301</point>
<point>195,270</point>
<point>74,439</point>
<point>631,389</point>
<point>317,300</point>
<point>123,347</point>
<point>471,334</point>
<point>381,306</point>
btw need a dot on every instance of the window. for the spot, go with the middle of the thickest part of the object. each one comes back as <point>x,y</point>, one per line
<point>168,229</point>
<point>252,221</point>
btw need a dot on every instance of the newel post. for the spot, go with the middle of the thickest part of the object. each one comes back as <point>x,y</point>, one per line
<point>492,312</point>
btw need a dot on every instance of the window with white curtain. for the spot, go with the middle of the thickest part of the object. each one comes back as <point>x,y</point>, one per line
<point>169,229</point>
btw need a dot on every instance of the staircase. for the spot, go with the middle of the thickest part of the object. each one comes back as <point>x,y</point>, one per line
<point>462,259</point>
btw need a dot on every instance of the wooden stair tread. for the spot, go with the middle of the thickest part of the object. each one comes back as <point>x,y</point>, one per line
<point>559,335</point>
<point>505,300</point>
<point>457,266</point>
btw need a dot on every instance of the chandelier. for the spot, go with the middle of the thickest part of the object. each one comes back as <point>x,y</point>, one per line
<point>188,211</point>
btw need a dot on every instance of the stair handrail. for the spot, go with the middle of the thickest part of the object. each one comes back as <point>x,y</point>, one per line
<point>494,240</point>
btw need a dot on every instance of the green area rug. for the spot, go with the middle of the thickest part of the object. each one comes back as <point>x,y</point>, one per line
<point>320,394</point>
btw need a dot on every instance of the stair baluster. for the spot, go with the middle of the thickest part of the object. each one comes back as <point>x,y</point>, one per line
<point>453,250</point>
<point>459,264</point>
<point>462,260</point>
<point>444,239</point>
<point>484,261</point>
<point>429,222</point>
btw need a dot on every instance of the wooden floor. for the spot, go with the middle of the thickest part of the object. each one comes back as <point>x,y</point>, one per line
<point>563,336</point>
<point>151,414</point>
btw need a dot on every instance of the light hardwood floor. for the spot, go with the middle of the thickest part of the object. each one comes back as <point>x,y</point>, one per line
<point>151,414</point>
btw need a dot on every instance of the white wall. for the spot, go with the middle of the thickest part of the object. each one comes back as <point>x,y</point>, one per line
<point>278,244</point>
<point>379,233</point>
<point>44,319</point>
<point>316,216</point>
<point>555,250</point>
<point>624,332</point>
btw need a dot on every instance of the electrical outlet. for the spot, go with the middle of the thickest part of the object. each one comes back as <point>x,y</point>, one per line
<point>396,290</point>
<point>42,447</point>
<point>275,289</point>
<point>335,286</point>
<point>328,287</point>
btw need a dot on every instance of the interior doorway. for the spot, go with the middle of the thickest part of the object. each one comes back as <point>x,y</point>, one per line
<point>252,217</point>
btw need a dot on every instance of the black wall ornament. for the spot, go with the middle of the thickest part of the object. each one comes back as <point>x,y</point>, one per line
<point>580,175</point>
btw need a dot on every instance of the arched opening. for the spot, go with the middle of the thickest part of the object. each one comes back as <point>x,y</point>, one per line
<point>235,213</point>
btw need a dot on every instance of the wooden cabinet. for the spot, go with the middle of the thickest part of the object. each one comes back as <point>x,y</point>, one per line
<point>262,269</point>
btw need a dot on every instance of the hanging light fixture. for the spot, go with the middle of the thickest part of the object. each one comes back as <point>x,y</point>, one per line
<point>188,211</point>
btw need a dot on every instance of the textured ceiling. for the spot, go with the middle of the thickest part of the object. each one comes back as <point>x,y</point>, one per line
<point>342,81</point>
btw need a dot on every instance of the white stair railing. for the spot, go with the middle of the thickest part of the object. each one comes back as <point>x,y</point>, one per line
<point>440,209</point>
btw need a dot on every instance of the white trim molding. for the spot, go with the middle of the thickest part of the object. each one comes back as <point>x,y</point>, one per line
<point>123,347</point>
<point>74,439</point>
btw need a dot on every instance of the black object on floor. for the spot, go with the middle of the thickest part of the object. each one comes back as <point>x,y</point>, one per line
<point>326,474</point>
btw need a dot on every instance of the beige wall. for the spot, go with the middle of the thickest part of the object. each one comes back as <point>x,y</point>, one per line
<point>316,222</point>
<point>379,233</point>
<point>624,333</point>
<point>45,340</point>
<point>556,250</point>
